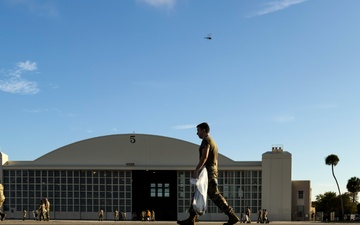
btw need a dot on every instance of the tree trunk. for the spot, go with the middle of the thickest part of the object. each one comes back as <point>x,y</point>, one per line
<point>342,205</point>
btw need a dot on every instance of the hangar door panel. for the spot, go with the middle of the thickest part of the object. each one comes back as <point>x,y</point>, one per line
<point>155,190</point>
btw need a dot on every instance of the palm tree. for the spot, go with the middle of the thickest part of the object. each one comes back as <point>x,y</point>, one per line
<point>353,186</point>
<point>333,161</point>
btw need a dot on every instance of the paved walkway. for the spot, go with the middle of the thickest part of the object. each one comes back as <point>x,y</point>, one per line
<point>90,222</point>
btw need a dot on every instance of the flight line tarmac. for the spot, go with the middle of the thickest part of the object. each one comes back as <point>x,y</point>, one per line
<point>90,222</point>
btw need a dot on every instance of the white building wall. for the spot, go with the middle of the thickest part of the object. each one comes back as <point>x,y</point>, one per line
<point>3,159</point>
<point>276,184</point>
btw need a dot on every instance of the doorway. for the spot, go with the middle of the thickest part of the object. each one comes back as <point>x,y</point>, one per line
<point>155,190</point>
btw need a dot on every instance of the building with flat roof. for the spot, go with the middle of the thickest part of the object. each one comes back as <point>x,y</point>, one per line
<point>136,172</point>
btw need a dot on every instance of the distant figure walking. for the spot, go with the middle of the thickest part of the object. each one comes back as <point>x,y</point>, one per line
<point>152,215</point>
<point>148,215</point>
<point>265,216</point>
<point>24,214</point>
<point>42,210</point>
<point>124,216</point>
<point>260,216</point>
<point>248,213</point>
<point>101,215</point>
<point>47,206</point>
<point>116,215</point>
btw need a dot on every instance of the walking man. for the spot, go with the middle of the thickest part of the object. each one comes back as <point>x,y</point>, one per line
<point>260,216</point>
<point>248,213</point>
<point>116,215</point>
<point>101,215</point>
<point>24,214</point>
<point>47,206</point>
<point>208,152</point>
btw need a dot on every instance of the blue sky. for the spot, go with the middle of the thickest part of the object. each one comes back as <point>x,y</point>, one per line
<point>275,72</point>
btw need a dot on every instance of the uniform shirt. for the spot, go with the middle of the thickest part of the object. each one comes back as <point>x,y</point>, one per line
<point>2,196</point>
<point>211,163</point>
<point>47,203</point>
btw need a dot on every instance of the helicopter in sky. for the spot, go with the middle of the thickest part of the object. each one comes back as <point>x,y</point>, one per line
<point>208,37</point>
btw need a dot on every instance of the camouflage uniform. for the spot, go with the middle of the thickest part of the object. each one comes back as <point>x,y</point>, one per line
<point>101,215</point>
<point>47,204</point>
<point>116,215</point>
<point>24,215</point>
<point>211,165</point>
<point>42,210</point>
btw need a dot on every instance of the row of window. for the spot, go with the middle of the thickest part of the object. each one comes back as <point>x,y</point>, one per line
<point>87,191</point>
<point>69,191</point>
<point>160,190</point>
<point>44,177</point>
<point>241,189</point>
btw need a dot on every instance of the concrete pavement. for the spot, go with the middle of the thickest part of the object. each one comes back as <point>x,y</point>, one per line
<point>90,222</point>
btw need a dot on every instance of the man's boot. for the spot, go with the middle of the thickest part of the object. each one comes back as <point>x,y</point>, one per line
<point>232,218</point>
<point>3,215</point>
<point>189,221</point>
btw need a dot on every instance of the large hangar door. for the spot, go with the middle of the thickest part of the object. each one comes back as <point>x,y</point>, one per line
<point>155,190</point>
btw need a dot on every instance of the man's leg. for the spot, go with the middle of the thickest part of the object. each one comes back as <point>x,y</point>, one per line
<point>2,215</point>
<point>192,217</point>
<point>220,202</point>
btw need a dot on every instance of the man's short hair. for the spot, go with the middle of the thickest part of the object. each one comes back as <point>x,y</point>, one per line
<point>204,126</point>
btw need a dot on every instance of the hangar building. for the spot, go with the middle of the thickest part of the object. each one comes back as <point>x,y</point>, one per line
<point>136,172</point>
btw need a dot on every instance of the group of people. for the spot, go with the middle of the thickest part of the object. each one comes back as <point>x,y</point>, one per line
<point>42,212</point>
<point>245,218</point>
<point>263,216</point>
<point>117,215</point>
<point>147,215</point>
<point>144,216</point>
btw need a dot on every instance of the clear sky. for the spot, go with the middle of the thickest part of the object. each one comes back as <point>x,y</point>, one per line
<point>275,72</point>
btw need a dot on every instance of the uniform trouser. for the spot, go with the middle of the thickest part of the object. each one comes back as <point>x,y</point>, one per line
<point>48,214</point>
<point>43,215</point>
<point>1,204</point>
<point>216,197</point>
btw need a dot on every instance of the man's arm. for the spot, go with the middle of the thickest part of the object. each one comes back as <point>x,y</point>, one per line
<point>204,157</point>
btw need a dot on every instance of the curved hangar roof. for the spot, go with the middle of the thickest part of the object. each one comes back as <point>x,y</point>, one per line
<point>125,151</point>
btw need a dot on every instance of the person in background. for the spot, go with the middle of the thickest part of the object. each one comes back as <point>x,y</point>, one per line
<point>148,215</point>
<point>260,216</point>
<point>152,215</point>
<point>116,215</point>
<point>248,213</point>
<point>101,215</point>
<point>265,216</point>
<point>24,214</point>
<point>47,206</point>
<point>36,214</point>
<point>42,210</point>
